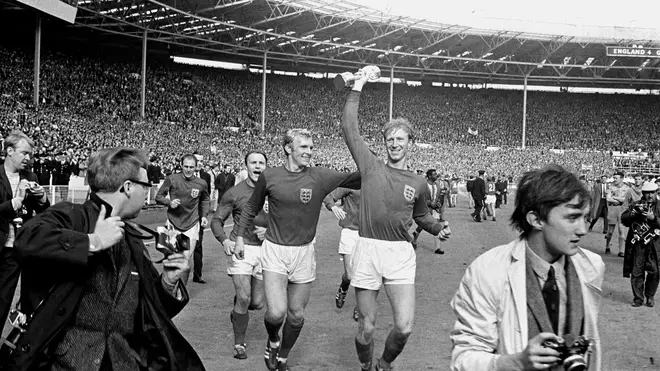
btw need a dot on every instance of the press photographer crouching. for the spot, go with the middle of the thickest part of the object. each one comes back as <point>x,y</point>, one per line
<point>92,296</point>
<point>640,262</point>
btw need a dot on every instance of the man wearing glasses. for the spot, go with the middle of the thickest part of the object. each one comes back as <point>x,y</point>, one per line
<point>188,203</point>
<point>105,306</point>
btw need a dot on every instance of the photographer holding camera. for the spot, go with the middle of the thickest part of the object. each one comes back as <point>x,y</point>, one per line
<point>641,262</point>
<point>20,198</point>
<point>93,298</point>
<point>517,302</point>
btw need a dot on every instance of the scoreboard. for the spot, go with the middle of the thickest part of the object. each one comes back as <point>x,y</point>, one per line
<point>618,51</point>
<point>63,9</point>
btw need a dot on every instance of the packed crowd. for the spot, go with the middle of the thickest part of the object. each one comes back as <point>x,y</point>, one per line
<point>92,101</point>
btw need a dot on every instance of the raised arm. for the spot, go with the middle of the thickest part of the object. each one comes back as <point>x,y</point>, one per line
<point>349,124</point>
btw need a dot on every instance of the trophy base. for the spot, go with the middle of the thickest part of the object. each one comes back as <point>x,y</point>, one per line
<point>343,81</point>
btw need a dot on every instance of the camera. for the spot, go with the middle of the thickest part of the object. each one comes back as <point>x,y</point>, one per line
<point>169,242</point>
<point>641,208</point>
<point>19,323</point>
<point>571,357</point>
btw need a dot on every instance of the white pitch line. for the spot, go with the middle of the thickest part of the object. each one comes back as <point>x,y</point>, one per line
<point>205,230</point>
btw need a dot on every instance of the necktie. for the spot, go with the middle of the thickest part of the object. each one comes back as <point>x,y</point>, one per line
<point>434,192</point>
<point>551,297</point>
<point>603,191</point>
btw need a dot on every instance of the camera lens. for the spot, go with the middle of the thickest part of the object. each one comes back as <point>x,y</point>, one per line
<point>575,362</point>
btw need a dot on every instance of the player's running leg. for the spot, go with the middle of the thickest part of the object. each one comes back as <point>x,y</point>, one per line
<point>402,300</point>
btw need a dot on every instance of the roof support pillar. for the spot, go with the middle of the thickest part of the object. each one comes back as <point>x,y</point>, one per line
<point>524,116</point>
<point>37,59</point>
<point>263,92</point>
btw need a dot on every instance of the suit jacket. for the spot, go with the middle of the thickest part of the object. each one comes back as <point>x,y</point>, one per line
<point>479,189</point>
<point>207,178</point>
<point>491,306</point>
<point>434,203</point>
<point>597,199</point>
<point>223,182</point>
<point>53,252</point>
<point>7,212</point>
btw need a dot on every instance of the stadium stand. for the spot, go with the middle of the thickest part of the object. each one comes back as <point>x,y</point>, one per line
<point>92,101</point>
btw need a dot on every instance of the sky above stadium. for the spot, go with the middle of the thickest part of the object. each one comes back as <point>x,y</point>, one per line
<point>535,16</point>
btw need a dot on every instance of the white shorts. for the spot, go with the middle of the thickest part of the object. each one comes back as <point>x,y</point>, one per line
<point>296,262</point>
<point>378,262</point>
<point>192,233</point>
<point>249,265</point>
<point>490,199</point>
<point>348,240</point>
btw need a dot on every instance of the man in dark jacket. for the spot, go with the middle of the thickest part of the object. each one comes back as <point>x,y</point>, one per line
<point>105,307</point>
<point>198,255</point>
<point>642,256</point>
<point>224,181</point>
<point>478,195</point>
<point>20,198</point>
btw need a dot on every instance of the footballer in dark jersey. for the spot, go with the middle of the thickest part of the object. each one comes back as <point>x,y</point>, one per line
<point>246,273</point>
<point>383,254</point>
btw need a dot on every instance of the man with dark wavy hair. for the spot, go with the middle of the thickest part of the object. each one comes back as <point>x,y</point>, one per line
<point>537,288</point>
<point>104,306</point>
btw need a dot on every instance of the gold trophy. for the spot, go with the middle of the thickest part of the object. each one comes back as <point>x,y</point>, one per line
<point>347,79</point>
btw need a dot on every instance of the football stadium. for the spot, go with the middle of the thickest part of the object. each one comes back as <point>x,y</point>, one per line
<point>494,91</point>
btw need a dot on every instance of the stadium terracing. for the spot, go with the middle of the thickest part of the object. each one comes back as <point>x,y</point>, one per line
<point>338,35</point>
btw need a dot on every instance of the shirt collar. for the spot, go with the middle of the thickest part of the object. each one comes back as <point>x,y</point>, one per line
<point>541,267</point>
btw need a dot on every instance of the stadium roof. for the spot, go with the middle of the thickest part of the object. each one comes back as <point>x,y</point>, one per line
<point>339,35</point>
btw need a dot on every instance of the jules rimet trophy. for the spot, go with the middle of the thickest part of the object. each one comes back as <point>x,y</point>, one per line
<point>347,79</point>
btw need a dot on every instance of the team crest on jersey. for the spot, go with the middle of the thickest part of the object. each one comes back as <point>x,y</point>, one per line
<point>305,195</point>
<point>409,193</point>
<point>194,193</point>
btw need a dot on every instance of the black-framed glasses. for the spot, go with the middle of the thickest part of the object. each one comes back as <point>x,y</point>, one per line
<point>139,182</point>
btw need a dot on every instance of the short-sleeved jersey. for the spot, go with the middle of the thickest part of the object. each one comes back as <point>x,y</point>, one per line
<point>491,188</point>
<point>391,198</point>
<point>617,191</point>
<point>232,203</point>
<point>294,202</point>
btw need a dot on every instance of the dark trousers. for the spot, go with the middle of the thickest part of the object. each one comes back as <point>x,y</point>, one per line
<point>644,278</point>
<point>601,211</point>
<point>498,200</point>
<point>198,256</point>
<point>504,200</point>
<point>9,273</point>
<point>478,207</point>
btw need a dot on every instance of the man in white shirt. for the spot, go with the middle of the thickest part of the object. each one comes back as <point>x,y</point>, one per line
<point>538,288</point>
<point>21,197</point>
